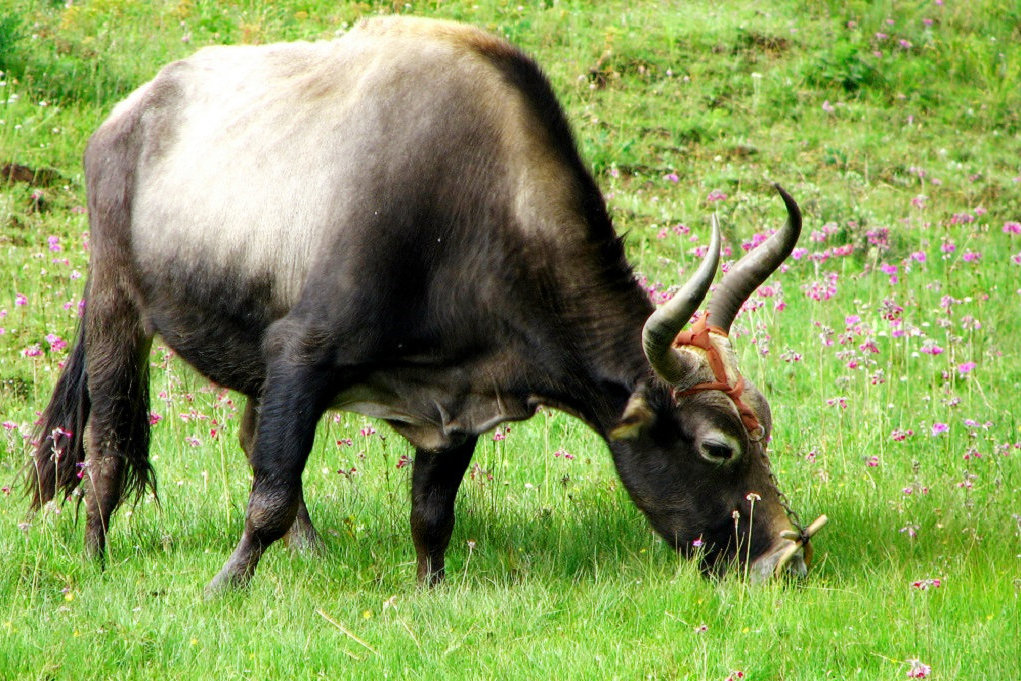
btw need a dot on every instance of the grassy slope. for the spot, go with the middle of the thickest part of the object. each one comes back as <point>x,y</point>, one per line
<point>564,577</point>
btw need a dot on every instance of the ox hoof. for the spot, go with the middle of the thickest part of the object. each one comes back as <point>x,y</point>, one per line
<point>305,542</point>
<point>223,584</point>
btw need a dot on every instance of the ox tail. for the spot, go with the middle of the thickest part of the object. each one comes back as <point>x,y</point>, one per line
<point>59,457</point>
<point>119,414</point>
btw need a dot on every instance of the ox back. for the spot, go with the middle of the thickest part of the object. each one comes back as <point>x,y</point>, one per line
<point>395,223</point>
<point>411,190</point>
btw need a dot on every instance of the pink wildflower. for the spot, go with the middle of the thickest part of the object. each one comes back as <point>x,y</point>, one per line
<point>901,435</point>
<point>926,584</point>
<point>20,300</point>
<point>56,342</point>
<point>966,368</point>
<point>939,428</point>
<point>918,670</point>
<point>716,195</point>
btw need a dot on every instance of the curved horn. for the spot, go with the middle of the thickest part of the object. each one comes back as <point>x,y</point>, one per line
<point>663,325</point>
<point>753,269</point>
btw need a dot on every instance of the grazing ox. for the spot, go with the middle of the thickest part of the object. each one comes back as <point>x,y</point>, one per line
<point>396,223</point>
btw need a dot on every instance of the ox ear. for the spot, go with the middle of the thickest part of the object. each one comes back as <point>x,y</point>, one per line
<point>637,416</point>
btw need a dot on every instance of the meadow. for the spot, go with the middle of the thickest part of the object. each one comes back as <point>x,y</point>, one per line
<point>889,346</point>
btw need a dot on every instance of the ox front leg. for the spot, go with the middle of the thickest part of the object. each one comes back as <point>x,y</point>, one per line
<point>302,536</point>
<point>435,480</point>
<point>295,396</point>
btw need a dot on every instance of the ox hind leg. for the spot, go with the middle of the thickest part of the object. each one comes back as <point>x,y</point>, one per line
<point>301,380</point>
<point>117,444</point>
<point>435,479</point>
<point>302,536</point>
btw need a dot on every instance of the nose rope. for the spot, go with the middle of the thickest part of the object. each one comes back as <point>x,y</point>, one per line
<point>698,336</point>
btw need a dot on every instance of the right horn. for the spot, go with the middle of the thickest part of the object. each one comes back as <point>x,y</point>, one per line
<point>753,269</point>
<point>663,325</point>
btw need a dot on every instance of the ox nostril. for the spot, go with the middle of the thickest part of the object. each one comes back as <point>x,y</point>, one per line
<point>796,567</point>
<point>787,559</point>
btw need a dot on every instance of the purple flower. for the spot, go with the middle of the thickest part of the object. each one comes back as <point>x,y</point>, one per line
<point>1012,227</point>
<point>20,300</point>
<point>966,368</point>
<point>918,670</point>
<point>56,342</point>
<point>671,177</point>
<point>716,195</point>
<point>939,428</point>
<point>926,584</point>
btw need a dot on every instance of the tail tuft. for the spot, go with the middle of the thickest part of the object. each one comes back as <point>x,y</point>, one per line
<point>56,468</point>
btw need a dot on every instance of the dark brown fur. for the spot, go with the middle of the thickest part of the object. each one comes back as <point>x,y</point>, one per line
<point>435,292</point>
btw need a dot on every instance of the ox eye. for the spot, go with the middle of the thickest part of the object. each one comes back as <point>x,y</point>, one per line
<point>717,451</point>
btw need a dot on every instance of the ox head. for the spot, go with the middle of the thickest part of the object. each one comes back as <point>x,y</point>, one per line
<point>690,446</point>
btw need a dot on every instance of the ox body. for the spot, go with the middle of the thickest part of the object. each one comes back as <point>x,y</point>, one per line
<point>395,223</point>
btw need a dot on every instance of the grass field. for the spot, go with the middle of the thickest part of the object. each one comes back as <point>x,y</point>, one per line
<point>889,347</point>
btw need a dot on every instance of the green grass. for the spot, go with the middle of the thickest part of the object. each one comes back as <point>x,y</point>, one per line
<point>895,150</point>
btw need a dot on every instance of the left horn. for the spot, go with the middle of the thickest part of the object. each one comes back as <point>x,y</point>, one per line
<point>753,269</point>
<point>663,325</point>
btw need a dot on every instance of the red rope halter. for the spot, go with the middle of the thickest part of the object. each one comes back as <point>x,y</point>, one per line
<point>698,336</point>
